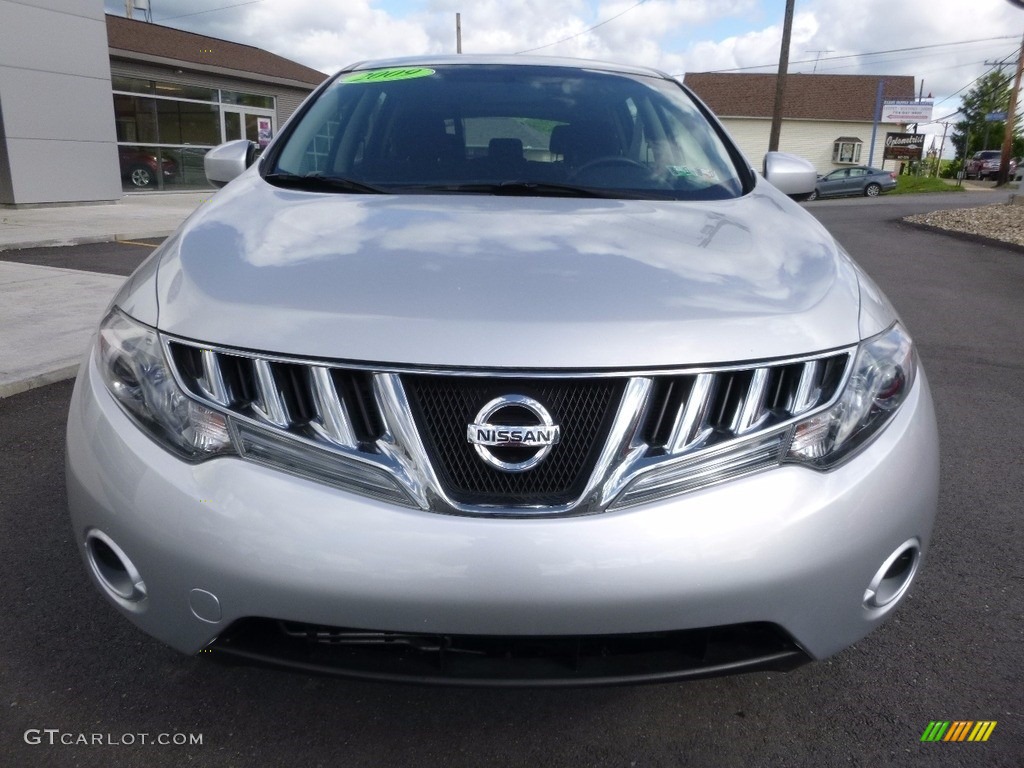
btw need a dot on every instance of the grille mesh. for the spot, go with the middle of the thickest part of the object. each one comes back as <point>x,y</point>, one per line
<point>443,406</point>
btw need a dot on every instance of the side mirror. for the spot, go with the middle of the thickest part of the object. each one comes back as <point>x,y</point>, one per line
<point>225,162</point>
<point>790,174</point>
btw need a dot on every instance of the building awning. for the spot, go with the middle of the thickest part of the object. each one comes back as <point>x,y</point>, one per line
<point>849,140</point>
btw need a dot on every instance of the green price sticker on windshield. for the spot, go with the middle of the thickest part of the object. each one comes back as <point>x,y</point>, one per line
<point>388,75</point>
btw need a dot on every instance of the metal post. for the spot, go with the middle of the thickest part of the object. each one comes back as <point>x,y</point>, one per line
<point>458,33</point>
<point>874,127</point>
<point>963,165</point>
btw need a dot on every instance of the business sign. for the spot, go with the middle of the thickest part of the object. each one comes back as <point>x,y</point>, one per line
<point>995,117</point>
<point>907,111</point>
<point>903,146</point>
<point>264,131</point>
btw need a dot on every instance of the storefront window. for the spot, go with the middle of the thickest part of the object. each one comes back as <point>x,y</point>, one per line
<point>163,136</point>
<point>170,90</point>
<point>247,99</point>
<point>189,172</point>
<point>131,84</point>
<point>143,167</point>
<point>177,91</point>
<point>182,122</point>
<point>135,119</point>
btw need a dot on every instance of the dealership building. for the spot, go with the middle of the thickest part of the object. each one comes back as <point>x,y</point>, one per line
<point>94,105</point>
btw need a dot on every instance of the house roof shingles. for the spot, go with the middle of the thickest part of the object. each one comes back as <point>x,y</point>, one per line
<point>188,47</point>
<point>808,97</point>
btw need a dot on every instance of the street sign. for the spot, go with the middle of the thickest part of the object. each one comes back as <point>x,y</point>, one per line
<point>907,111</point>
<point>995,117</point>
<point>903,146</point>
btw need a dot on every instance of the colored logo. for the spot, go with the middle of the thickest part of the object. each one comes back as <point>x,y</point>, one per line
<point>387,75</point>
<point>958,730</point>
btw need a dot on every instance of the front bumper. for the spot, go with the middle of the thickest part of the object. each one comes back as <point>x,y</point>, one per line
<point>227,540</point>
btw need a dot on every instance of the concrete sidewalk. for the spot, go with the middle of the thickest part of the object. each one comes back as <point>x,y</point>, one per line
<point>47,314</point>
<point>154,214</point>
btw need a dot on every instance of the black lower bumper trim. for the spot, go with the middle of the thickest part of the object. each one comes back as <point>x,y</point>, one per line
<point>511,661</point>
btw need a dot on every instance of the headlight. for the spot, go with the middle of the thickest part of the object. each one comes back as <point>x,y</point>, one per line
<point>882,375</point>
<point>132,363</point>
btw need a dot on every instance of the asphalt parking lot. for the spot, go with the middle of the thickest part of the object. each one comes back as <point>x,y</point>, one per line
<point>953,651</point>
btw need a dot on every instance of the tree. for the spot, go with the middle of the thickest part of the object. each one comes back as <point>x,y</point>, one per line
<point>974,133</point>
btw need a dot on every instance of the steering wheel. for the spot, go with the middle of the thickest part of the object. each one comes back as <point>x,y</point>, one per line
<point>611,161</point>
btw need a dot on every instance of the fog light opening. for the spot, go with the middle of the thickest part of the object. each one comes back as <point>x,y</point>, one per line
<point>112,568</point>
<point>893,578</point>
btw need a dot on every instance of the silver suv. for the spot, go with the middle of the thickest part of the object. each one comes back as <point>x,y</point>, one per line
<point>503,370</point>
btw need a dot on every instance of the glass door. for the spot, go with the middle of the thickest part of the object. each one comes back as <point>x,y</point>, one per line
<point>256,125</point>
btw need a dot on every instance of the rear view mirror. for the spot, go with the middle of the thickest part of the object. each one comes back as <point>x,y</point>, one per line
<point>223,163</point>
<point>790,174</point>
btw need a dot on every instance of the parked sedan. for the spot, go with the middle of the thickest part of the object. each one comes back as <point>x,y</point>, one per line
<point>139,166</point>
<point>859,180</point>
<point>618,410</point>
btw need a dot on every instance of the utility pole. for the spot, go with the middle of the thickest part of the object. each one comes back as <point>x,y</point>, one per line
<point>942,146</point>
<point>780,79</point>
<point>458,33</point>
<point>1011,119</point>
<point>874,126</point>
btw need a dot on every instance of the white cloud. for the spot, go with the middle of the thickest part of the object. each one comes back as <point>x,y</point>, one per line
<point>672,35</point>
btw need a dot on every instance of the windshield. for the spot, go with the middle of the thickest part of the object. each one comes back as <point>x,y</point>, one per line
<point>536,129</point>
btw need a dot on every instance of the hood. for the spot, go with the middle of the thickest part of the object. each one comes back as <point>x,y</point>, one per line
<point>507,282</point>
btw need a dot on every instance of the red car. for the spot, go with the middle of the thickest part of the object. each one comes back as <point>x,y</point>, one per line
<point>985,164</point>
<point>139,166</point>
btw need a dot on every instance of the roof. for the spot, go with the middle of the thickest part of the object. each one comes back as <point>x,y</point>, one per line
<point>808,97</point>
<point>154,40</point>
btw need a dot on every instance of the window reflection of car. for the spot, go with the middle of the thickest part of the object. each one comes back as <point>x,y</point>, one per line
<point>858,180</point>
<point>139,166</point>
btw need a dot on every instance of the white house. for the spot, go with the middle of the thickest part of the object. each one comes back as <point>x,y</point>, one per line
<point>825,118</point>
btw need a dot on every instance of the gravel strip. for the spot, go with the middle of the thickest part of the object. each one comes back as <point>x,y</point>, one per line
<point>998,222</point>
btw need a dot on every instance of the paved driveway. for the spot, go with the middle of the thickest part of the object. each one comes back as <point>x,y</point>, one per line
<point>952,652</point>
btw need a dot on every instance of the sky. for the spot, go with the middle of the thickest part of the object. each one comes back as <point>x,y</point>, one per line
<point>954,38</point>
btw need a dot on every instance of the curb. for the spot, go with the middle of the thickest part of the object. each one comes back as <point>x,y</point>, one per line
<point>39,380</point>
<point>86,240</point>
<point>968,237</point>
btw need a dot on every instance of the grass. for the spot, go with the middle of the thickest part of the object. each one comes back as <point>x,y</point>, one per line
<point>910,185</point>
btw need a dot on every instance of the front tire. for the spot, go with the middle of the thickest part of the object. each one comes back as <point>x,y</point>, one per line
<point>872,190</point>
<point>813,196</point>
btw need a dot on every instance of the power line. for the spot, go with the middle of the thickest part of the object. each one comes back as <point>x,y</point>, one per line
<point>991,69</point>
<point>210,10</point>
<point>870,53</point>
<point>900,58</point>
<point>819,52</point>
<point>588,29</point>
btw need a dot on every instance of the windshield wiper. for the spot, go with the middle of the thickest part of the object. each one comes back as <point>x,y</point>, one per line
<point>522,188</point>
<point>316,182</point>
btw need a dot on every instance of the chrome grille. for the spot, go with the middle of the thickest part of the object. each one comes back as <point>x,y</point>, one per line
<point>689,412</point>
<point>326,404</point>
<point>401,435</point>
